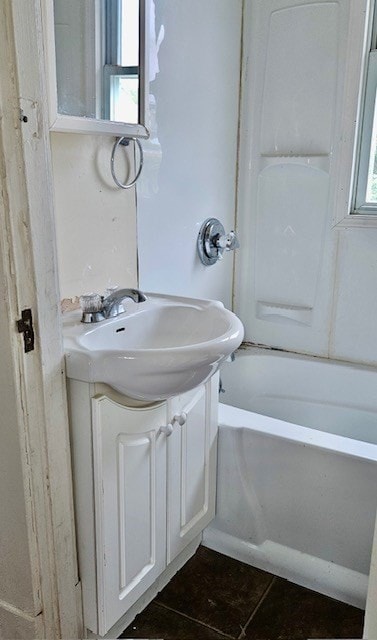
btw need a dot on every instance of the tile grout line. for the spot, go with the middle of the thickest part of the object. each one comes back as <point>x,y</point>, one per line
<point>203,624</point>
<point>254,612</point>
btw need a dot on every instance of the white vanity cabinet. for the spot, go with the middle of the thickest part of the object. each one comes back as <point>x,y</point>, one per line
<point>142,493</point>
<point>191,466</point>
<point>129,463</point>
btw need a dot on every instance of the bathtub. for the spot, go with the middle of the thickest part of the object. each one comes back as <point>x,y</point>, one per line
<point>297,470</point>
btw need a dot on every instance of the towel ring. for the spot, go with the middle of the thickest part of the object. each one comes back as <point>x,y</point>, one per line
<point>125,141</point>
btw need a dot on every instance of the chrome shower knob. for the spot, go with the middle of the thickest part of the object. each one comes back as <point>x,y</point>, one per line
<point>213,241</point>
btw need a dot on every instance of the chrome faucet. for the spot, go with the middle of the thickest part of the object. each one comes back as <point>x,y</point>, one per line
<point>112,305</point>
<point>97,308</point>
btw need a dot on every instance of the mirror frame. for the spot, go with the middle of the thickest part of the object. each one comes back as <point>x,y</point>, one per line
<point>78,124</point>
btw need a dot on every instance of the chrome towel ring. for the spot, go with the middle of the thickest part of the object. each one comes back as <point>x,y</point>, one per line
<point>125,141</point>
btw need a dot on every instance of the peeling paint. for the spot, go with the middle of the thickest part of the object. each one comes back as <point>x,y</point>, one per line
<point>70,304</point>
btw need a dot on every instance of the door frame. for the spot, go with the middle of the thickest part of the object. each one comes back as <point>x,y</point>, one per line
<point>370,625</point>
<point>29,273</point>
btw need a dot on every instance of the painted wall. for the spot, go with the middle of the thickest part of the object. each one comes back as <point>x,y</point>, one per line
<point>95,220</point>
<point>305,282</point>
<point>191,158</point>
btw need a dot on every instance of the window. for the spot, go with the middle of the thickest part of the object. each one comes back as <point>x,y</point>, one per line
<point>365,197</point>
<point>121,69</point>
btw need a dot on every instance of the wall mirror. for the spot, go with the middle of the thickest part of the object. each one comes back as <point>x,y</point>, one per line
<point>96,59</point>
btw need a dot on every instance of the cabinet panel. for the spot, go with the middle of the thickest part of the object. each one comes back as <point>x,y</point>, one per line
<point>130,495</point>
<point>192,454</point>
<point>137,507</point>
<point>194,471</point>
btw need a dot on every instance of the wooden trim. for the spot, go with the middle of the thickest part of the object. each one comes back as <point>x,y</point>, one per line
<point>347,140</point>
<point>370,626</point>
<point>358,220</point>
<point>74,124</point>
<point>27,225</point>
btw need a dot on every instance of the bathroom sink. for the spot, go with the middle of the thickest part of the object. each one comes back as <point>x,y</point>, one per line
<point>155,349</point>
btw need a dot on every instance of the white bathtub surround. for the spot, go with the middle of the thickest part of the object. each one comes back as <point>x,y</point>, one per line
<point>353,334</point>
<point>297,278</point>
<point>296,486</point>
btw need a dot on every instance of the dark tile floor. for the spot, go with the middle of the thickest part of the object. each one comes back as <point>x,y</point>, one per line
<point>214,597</point>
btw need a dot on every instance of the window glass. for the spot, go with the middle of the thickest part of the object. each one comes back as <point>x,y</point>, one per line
<point>365,200</point>
<point>121,69</point>
<point>124,98</point>
<point>129,33</point>
<point>371,194</point>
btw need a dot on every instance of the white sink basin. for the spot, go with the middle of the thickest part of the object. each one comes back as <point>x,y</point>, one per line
<point>156,349</point>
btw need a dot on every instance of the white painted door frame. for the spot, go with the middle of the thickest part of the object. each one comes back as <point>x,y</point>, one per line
<point>29,274</point>
<point>370,626</point>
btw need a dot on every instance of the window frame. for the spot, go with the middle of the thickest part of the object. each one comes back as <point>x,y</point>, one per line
<point>367,128</point>
<point>112,57</point>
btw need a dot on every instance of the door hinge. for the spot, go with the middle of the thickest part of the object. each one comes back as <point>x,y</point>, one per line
<point>25,326</point>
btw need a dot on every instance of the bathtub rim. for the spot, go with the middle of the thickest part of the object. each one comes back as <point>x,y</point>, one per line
<point>236,418</point>
<point>264,350</point>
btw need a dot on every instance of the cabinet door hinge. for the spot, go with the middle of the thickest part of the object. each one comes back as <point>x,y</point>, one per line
<point>25,326</point>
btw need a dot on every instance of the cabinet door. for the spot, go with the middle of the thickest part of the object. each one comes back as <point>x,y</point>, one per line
<point>130,504</point>
<point>192,457</point>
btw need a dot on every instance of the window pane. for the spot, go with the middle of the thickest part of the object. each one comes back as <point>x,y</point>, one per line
<point>371,196</point>
<point>365,196</point>
<point>124,91</point>
<point>129,34</point>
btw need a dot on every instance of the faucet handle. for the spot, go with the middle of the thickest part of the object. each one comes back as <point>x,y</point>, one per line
<point>91,305</point>
<point>91,302</point>
<point>228,242</point>
<point>232,241</point>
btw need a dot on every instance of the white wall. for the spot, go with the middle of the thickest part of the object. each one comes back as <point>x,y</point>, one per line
<point>95,220</point>
<point>190,161</point>
<point>304,283</point>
